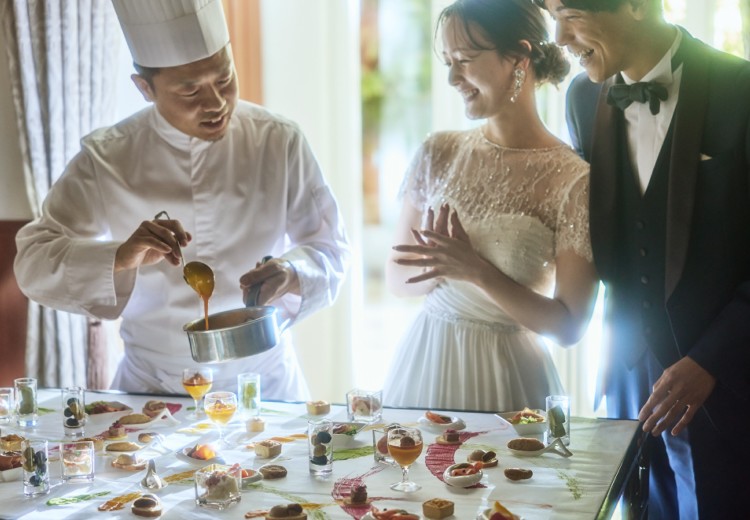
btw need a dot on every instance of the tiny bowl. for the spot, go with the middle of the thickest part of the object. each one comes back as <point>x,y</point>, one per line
<point>525,430</point>
<point>462,481</point>
<point>253,477</point>
<point>456,424</point>
<point>346,439</point>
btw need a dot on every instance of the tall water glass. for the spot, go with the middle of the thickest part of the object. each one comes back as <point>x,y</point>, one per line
<point>320,447</point>
<point>26,402</point>
<point>34,461</point>
<point>248,393</point>
<point>74,411</point>
<point>6,404</point>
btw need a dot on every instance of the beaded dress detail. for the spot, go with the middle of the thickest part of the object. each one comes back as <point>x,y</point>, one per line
<point>520,207</point>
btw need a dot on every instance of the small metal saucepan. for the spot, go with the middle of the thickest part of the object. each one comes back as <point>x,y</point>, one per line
<point>237,333</point>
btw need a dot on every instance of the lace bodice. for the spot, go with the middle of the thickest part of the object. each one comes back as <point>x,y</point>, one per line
<point>483,180</point>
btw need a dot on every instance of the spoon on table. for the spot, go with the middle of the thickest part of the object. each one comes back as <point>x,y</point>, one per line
<point>152,481</point>
<point>196,274</point>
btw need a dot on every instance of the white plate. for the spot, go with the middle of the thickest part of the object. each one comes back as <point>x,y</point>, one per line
<point>525,429</point>
<point>455,424</point>
<point>163,419</point>
<point>182,455</point>
<point>346,440</point>
<point>11,474</point>
<point>461,481</point>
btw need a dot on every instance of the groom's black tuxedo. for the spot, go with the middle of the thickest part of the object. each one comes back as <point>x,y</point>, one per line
<point>699,246</point>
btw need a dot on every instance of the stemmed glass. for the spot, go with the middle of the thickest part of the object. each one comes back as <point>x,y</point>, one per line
<point>405,446</point>
<point>197,382</point>
<point>220,408</point>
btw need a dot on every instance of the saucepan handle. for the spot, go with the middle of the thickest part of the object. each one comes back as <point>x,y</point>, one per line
<point>251,300</point>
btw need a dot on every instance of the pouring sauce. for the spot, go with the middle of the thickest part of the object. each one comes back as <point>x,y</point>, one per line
<point>201,278</point>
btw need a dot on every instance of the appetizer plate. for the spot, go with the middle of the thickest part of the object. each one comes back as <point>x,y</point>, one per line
<point>463,480</point>
<point>536,428</point>
<point>11,474</point>
<point>456,424</point>
<point>487,514</point>
<point>349,431</point>
<point>183,456</point>
<point>370,516</point>
<point>255,476</point>
<point>163,419</point>
<point>556,446</point>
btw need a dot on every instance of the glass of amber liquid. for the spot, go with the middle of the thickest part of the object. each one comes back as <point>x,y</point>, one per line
<point>197,382</point>
<point>220,408</point>
<point>405,446</point>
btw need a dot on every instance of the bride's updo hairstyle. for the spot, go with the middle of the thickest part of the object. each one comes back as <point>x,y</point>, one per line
<point>504,23</point>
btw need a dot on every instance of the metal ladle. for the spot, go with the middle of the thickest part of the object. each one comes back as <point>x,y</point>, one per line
<point>153,481</point>
<point>196,274</point>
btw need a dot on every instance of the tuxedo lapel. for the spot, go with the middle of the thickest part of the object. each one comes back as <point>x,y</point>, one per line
<point>604,163</point>
<point>689,118</point>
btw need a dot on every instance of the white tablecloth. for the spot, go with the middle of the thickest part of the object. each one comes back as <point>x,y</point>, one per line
<point>561,488</point>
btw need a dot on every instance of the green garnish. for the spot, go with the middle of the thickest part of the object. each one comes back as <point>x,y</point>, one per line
<point>61,501</point>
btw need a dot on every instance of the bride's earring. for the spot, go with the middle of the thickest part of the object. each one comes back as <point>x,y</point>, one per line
<point>519,76</point>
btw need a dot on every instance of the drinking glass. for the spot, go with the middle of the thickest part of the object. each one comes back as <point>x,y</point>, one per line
<point>405,446</point>
<point>220,408</point>
<point>248,392</point>
<point>558,419</point>
<point>197,382</point>
<point>380,445</point>
<point>77,461</point>
<point>26,402</point>
<point>364,405</point>
<point>74,411</point>
<point>320,447</point>
<point>217,486</point>
<point>35,467</point>
<point>6,404</point>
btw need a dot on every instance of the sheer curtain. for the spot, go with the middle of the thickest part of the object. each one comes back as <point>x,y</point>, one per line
<point>61,64</point>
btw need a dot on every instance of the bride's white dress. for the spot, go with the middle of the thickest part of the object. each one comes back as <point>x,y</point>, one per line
<point>519,207</point>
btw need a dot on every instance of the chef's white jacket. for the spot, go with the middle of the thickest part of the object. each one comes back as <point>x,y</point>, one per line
<point>258,191</point>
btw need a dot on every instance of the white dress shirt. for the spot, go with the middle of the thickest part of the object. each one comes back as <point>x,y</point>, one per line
<point>646,131</point>
<point>257,191</point>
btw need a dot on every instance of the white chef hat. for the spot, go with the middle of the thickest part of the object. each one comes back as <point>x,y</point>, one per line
<point>168,33</point>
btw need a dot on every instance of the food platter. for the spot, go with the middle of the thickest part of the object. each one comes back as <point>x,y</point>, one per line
<point>456,423</point>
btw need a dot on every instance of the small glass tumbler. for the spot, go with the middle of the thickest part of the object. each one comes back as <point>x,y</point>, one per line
<point>217,486</point>
<point>248,392</point>
<point>320,447</point>
<point>380,445</point>
<point>77,461</point>
<point>558,419</point>
<point>6,404</point>
<point>26,402</point>
<point>34,460</point>
<point>74,411</point>
<point>364,405</point>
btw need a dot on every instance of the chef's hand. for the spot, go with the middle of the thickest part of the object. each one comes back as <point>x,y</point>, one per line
<point>677,394</point>
<point>278,277</point>
<point>153,241</point>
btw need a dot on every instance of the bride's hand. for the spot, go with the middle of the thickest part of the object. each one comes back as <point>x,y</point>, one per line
<point>444,250</point>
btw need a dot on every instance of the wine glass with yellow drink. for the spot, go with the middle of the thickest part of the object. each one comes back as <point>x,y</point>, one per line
<point>220,408</point>
<point>197,382</point>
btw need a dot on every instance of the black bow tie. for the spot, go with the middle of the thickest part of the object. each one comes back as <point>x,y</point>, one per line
<point>622,95</point>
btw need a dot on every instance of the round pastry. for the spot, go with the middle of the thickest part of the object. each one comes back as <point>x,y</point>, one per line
<point>148,506</point>
<point>438,508</point>
<point>272,471</point>
<point>288,512</point>
<point>11,442</point>
<point>153,408</point>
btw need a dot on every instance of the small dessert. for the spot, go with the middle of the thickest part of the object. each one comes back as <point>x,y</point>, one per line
<point>318,407</point>
<point>11,442</point>
<point>288,511</point>
<point>437,508</point>
<point>500,512</point>
<point>518,473</point>
<point>487,458</point>
<point>123,446</point>
<point>98,407</point>
<point>116,431</point>
<point>135,418</point>
<point>147,437</point>
<point>98,442</point>
<point>129,462</point>
<point>267,449</point>
<point>448,437</point>
<point>200,452</point>
<point>526,444</point>
<point>358,497</point>
<point>392,514</point>
<point>366,406</point>
<point>148,506</point>
<point>527,416</point>
<point>10,460</point>
<point>438,418</point>
<point>255,424</point>
<point>220,485</point>
<point>154,408</point>
<point>272,471</point>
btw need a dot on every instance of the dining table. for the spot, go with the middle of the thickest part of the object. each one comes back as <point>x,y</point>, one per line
<point>586,485</point>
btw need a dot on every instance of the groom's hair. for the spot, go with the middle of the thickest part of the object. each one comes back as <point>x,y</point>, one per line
<point>588,5</point>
